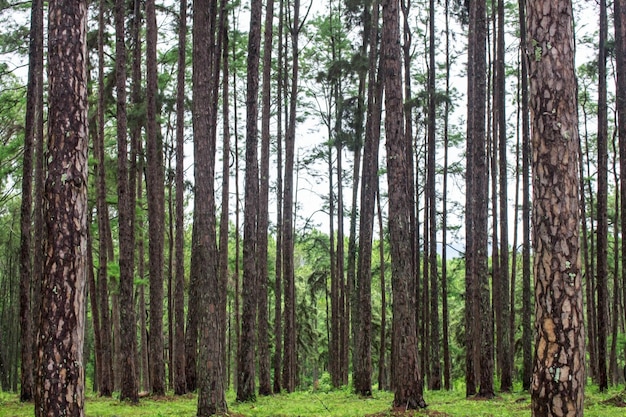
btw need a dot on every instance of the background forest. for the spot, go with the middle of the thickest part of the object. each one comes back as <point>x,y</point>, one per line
<point>260,212</point>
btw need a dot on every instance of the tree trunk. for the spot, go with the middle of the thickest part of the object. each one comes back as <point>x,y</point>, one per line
<point>362,378</point>
<point>382,367</point>
<point>224,223</point>
<point>289,359</point>
<point>526,275</point>
<point>61,378</point>
<point>620,57</point>
<point>246,359</point>
<point>602,207</point>
<point>180,381</point>
<point>126,209</point>
<point>211,396</point>
<point>155,189</point>
<point>34,118</point>
<point>434,381</point>
<point>506,356</point>
<point>408,383</point>
<point>444,218</point>
<point>265,384</point>
<point>106,371</point>
<point>559,372</point>
<point>278,330</point>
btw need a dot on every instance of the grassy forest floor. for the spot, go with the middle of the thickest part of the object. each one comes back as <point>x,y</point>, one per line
<point>334,403</point>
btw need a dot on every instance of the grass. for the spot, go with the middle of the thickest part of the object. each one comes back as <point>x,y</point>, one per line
<point>333,403</point>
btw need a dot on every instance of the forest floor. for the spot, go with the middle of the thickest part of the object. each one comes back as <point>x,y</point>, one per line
<point>333,403</point>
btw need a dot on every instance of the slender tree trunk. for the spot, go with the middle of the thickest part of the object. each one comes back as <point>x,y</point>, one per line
<point>444,217</point>
<point>620,40</point>
<point>506,363</point>
<point>155,189</point>
<point>289,364</point>
<point>224,223</point>
<point>526,157</point>
<point>559,372</point>
<point>106,371</point>
<point>278,330</point>
<point>435,364</point>
<point>126,209</point>
<point>246,360</point>
<point>34,118</point>
<point>362,357</point>
<point>620,57</point>
<point>178,347</point>
<point>613,371</point>
<point>60,377</point>
<point>602,207</point>
<point>265,384</point>
<point>382,367</point>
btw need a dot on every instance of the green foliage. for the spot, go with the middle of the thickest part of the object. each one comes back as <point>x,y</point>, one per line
<point>332,403</point>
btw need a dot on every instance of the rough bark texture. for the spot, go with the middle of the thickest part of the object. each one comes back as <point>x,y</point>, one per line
<point>156,214</point>
<point>278,327</point>
<point>620,57</point>
<point>557,386</point>
<point>246,358</point>
<point>526,278</point>
<point>408,384</point>
<point>362,378</point>
<point>265,383</point>
<point>434,382</point>
<point>34,118</point>
<point>204,268</point>
<point>505,361</point>
<point>180,382</point>
<point>289,357</point>
<point>602,207</point>
<point>126,210</point>
<point>61,376</point>
<point>106,370</point>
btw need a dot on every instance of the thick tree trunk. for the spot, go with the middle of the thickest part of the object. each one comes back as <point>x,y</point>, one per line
<point>408,383</point>
<point>204,264</point>
<point>559,372</point>
<point>61,377</point>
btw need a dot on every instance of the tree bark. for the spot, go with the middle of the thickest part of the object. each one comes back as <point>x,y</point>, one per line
<point>408,383</point>
<point>126,210</point>
<point>289,358</point>
<point>265,384</point>
<point>33,119</point>
<point>246,358</point>
<point>204,268</point>
<point>362,378</point>
<point>156,214</point>
<point>557,386</point>
<point>61,376</point>
<point>180,381</point>
<point>602,207</point>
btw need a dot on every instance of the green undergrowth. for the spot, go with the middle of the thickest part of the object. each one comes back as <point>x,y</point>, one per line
<point>332,403</point>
